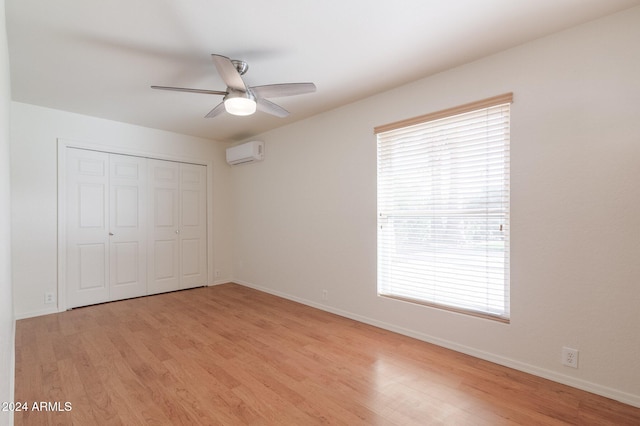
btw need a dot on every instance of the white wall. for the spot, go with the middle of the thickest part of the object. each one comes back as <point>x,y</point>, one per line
<point>305,218</point>
<point>6,305</point>
<point>34,132</point>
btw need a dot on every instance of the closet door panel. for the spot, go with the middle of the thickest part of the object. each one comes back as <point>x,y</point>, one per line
<point>128,236</point>
<point>87,234</point>
<point>193,230</point>
<point>164,226</point>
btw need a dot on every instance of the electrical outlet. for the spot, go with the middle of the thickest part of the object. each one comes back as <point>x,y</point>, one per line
<point>570,357</point>
<point>324,294</point>
<point>48,297</point>
<point>217,273</point>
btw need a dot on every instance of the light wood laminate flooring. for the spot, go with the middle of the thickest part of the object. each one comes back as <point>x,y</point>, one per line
<point>231,355</point>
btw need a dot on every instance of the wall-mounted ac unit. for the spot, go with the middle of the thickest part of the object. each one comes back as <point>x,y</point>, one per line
<point>245,153</point>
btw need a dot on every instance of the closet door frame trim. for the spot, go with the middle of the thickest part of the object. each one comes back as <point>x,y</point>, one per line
<point>63,145</point>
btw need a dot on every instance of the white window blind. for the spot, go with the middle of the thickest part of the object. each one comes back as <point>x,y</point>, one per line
<point>443,209</point>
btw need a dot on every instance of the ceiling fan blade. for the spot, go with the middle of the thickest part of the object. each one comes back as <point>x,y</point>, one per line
<point>219,109</point>
<point>228,72</point>
<point>183,89</point>
<point>286,89</point>
<point>271,108</point>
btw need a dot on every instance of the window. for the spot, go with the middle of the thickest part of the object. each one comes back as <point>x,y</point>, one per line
<point>443,209</point>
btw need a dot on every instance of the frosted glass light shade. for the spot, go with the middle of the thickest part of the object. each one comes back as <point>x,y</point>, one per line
<point>240,105</point>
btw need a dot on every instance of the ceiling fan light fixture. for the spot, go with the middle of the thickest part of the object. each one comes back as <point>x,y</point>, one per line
<point>240,99</point>
<point>240,103</point>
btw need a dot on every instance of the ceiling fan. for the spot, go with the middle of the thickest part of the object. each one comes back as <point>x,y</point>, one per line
<point>240,99</point>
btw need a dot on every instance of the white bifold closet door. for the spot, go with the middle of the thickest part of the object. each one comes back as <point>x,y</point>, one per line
<point>177,226</point>
<point>105,227</point>
<point>134,226</point>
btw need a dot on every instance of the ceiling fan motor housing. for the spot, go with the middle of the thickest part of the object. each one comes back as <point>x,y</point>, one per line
<point>241,66</point>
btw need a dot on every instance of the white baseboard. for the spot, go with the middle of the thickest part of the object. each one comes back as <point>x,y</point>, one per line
<point>54,309</point>
<point>595,388</point>
<point>38,313</point>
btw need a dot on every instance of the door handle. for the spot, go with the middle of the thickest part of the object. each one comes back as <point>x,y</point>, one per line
<point>177,231</point>
<point>111,234</point>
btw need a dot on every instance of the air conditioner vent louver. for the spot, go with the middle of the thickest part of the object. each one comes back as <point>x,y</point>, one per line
<point>245,153</point>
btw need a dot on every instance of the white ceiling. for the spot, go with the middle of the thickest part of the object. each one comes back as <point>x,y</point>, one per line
<point>98,57</point>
